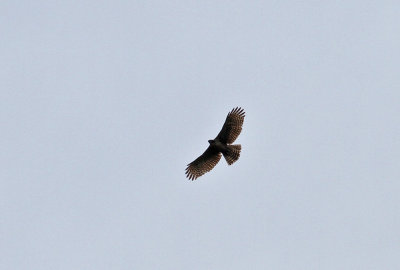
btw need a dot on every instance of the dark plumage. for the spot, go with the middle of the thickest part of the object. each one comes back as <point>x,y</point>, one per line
<point>222,144</point>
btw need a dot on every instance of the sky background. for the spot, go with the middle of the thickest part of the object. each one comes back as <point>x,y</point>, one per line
<point>104,103</point>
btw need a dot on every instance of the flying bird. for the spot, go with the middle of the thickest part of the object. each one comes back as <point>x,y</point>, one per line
<point>222,144</point>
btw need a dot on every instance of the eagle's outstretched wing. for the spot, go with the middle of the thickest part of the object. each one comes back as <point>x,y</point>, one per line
<point>232,126</point>
<point>204,163</point>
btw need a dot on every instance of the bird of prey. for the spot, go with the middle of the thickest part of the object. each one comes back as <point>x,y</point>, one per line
<point>222,144</point>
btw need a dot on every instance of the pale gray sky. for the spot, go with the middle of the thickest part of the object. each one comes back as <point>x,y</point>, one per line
<point>103,103</point>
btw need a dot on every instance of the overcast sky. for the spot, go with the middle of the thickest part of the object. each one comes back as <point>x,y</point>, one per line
<point>104,103</point>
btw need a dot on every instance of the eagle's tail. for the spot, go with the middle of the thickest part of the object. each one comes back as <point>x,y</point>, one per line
<point>233,153</point>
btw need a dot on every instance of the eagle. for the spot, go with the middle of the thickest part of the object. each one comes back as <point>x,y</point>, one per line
<point>221,145</point>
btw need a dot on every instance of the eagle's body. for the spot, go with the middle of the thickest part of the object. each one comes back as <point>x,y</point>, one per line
<point>217,145</point>
<point>222,144</point>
